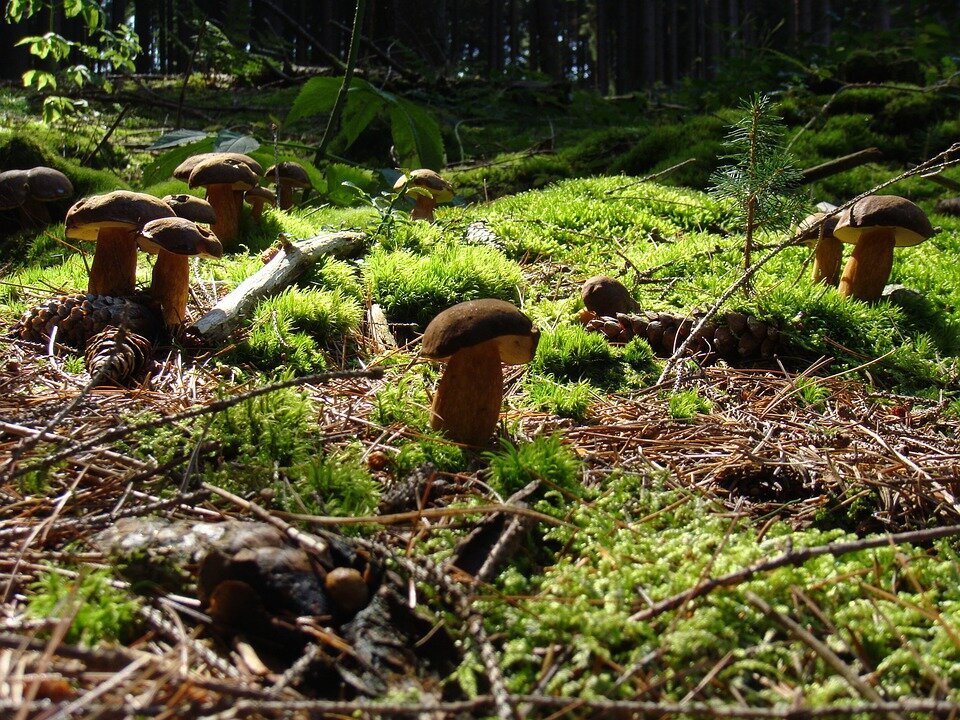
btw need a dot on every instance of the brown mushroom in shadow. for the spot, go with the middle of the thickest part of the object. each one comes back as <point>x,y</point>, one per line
<point>44,185</point>
<point>605,296</point>
<point>876,225</point>
<point>427,189</point>
<point>287,176</point>
<point>473,338</point>
<point>13,189</point>
<point>192,208</point>
<point>817,233</point>
<point>256,198</point>
<point>175,240</point>
<point>113,221</point>
<point>225,180</point>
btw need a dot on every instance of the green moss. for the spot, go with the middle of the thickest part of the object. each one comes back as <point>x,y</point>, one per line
<point>569,353</point>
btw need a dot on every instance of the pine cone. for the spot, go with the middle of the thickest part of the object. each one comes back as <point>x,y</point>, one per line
<point>117,355</point>
<point>79,317</point>
<point>733,336</point>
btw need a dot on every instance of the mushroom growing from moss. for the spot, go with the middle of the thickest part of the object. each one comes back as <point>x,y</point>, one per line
<point>817,233</point>
<point>113,221</point>
<point>192,208</point>
<point>256,198</point>
<point>225,180</point>
<point>44,185</point>
<point>175,240</point>
<point>428,190</point>
<point>876,225</point>
<point>473,338</point>
<point>605,296</point>
<point>287,176</point>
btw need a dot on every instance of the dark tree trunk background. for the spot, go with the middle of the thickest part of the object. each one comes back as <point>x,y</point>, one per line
<point>612,45</point>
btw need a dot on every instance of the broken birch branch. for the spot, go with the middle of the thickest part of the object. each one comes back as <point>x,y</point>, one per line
<point>282,270</point>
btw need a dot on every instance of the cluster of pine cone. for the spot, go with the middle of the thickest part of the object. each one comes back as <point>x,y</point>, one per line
<point>732,336</point>
<point>116,334</point>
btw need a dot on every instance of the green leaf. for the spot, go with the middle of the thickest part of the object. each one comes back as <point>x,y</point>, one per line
<point>360,111</point>
<point>317,96</point>
<point>162,167</point>
<point>416,136</point>
<point>229,141</point>
<point>177,137</point>
<point>341,177</point>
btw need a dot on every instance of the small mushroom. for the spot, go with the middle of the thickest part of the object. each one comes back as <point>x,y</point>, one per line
<point>112,221</point>
<point>474,338</point>
<point>225,179</point>
<point>192,208</point>
<point>606,296</point>
<point>44,185</point>
<point>257,197</point>
<point>816,231</point>
<point>287,176</point>
<point>175,240</point>
<point>428,190</point>
<point>875,225</point>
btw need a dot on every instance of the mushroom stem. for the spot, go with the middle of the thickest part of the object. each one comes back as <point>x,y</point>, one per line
<point>286,196</point>
<point>868,269</point>
<point>466,405</point>
<point>170,285</point>
<point>826,261</point>
<point>227,226</point>
<point>114,267</point>
<point>423,208</point>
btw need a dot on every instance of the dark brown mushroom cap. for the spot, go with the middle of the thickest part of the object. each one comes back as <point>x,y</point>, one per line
<point>47,184</point>
<point>180,237</point>
<point>117,209</point>
<point>290,173</point>
<point>192,208</point>
<point>183,170</point>
<point>606,296</point>
<point>907,220</point>
<point>426,179</point>
<point>475,321</point>
<point>261,194</point>
<point>219,170</point>
<point>13,189</point>
<point>809,228</point>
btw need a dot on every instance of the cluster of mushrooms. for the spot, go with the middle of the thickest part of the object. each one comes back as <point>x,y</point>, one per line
<point>29,192</point>
<point>874,225</point>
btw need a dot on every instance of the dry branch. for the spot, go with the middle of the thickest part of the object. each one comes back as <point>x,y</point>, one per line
<point>840,164</point>
<point>285,267</point>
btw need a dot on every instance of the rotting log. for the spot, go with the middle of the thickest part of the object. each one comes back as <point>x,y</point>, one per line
<point>282,270</point>
<point>840,164</point>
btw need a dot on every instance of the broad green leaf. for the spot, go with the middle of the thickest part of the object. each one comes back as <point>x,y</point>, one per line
<point>362,108</point>
<point>315,97</point>
<point>177,137</point>
<point>416,136</point>
<point>229,141</point>
<point>339,174</point>
<point>162,167</point>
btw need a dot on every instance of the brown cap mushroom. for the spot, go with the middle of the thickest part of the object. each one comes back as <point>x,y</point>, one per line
<point>183,170</point>
<point>257,197</point>
<point>225,179</point>
<point>13,189</point>
<point>30,190</point>
<point>428,190</point>
<point>606,296</point>
<point>816,232</point>
<point>192,208</point>
<point>875,225</point>
<point>112,221</point>
<point>287,176</point>
<point>474,338</point>
<point>175,240</point>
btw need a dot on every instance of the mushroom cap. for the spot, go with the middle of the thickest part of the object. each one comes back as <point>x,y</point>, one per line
<point>260,193</point>
<point>47,184</point>
<point>606,296</point>
<point>13,189</point>
<point>475,321</point>
<point>906,219</point>
<point>183,170</point>
<point>220,170</point>
<point>117,209</point>
<point>291,174</point>
<point>426,179</point>
<point>180,237</point>
<point>809,228</point>
<point>192,208</point>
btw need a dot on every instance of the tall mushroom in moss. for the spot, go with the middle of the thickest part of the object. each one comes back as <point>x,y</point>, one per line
<point>287,176</point>
<point>473,338</point>
<point>817,232</point>
<point>225,180</point>
<point>428,190</point>
<point>876,225</point>
<point>112,221</point>
<point>175,240</point>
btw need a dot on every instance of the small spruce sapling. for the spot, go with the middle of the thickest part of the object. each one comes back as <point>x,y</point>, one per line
<point>761,178</point>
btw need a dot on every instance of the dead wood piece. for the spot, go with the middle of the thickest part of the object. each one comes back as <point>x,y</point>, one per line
<point>840,164</point>
<point>285,267</point>
<point>380,329</point>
